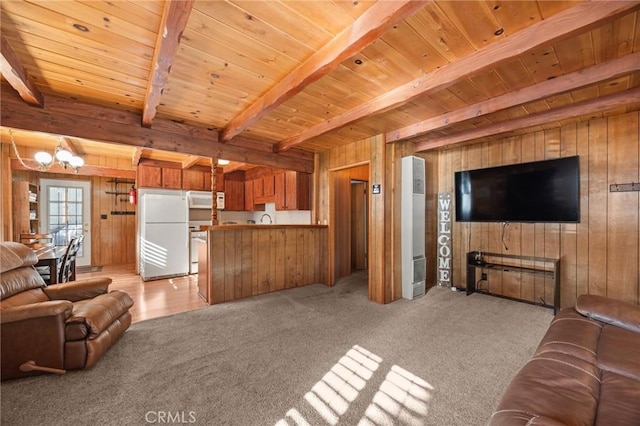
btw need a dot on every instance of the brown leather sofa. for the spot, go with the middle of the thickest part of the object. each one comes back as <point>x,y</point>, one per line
<point>52,329</point>
<point>586,370</point>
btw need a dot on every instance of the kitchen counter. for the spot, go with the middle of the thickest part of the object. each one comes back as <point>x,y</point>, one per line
<point>246,260</point>
<point>259,226</point>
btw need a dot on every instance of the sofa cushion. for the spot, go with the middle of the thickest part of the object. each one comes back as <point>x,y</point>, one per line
<point>610,311</point>
<point>619,352</point>
<point>556,386</point>
<point>15,255</point>
<point>18,280</point>
<point>619,401</point>
<point>520,418</point>
<point>572,334</point>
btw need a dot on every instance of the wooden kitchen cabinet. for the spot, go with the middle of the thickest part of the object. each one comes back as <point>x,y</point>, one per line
<point>292,190</point>
<point>249,200</point>
<point>234,191</point>
<point>269,186</point>
<point>158,177</point>
<point>258,189</point>
<point>264,189</point>
<point>195,180</point>
<point>149,176</point>
<point>248,196</point>
<point>172,178</point>
<point>198,180</point>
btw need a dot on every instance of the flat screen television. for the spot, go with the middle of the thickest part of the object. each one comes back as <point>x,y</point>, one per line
<point>540,191</point>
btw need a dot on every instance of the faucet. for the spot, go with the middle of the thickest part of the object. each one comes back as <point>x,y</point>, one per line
<point>267,215</point>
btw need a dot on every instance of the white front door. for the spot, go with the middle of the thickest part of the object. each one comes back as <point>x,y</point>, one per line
<point>65,209</point>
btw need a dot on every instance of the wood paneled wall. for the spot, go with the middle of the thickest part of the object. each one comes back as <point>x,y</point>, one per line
<point>601,254</point>
<point>113,238</point>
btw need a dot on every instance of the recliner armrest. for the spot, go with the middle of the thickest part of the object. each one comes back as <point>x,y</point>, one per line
<point>36,310</point>
<point>100,312</point>
<point>33,332</point>
<point>78,290</point>
<point>610,311</point>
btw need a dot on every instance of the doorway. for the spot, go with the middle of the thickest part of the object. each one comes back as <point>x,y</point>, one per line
<point>350,219</point>
<point>66,213</point>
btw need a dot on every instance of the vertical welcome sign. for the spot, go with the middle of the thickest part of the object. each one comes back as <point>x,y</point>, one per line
<point>444,239</point>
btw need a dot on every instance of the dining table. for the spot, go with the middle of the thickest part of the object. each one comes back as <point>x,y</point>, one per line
<point>51,257</point>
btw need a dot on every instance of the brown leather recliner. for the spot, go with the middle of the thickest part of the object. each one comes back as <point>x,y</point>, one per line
<point>52,329</point>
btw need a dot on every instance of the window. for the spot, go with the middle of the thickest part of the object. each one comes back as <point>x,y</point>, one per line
<point>65,213</point>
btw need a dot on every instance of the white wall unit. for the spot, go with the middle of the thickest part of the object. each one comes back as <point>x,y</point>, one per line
<point>414,263</point>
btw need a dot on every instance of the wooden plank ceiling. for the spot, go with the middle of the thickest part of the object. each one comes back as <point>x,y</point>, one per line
<point>279,80</point>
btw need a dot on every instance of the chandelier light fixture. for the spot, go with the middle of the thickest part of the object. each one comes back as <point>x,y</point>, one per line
<point>60,156</point>
<point>45,160</point>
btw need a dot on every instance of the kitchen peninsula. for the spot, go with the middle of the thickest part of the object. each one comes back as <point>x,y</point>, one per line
<point>238,261</point>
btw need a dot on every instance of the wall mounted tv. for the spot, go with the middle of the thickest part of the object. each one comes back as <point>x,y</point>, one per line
<point>540,191</point>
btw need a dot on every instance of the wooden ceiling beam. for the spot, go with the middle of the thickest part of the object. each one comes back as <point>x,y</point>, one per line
<point>233,167</point>
<point>595,74</point>
<point>86,170</point>
<point>16,114</point>
<point>268,147</point>
<point>364,30</point>
<point>174,20</point>
<point>190,161</point>
<point>592,106</point>
<point>17,76</point>
<point>570,22</point>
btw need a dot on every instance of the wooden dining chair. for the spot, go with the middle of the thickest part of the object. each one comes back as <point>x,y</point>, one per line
<point>46,272</point>
<point>66,272</point>
<point>73,260</point>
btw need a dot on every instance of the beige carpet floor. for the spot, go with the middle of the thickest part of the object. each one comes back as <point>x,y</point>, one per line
<point>307,356</point>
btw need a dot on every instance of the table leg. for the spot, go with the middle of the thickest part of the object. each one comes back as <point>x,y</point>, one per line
<point>53,270</point>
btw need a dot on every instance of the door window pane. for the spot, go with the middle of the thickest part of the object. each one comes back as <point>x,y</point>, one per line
<point>65,213</point>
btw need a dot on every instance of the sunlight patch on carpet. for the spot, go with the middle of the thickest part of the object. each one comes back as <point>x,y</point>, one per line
<point>402,396</point>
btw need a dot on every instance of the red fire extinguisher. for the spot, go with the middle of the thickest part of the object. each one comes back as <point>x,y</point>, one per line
<point>133,196</point>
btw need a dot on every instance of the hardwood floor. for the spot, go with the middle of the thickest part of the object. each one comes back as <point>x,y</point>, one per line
<point>152,299</point>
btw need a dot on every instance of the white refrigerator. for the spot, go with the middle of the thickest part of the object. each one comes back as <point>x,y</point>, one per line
<point>163,233</point>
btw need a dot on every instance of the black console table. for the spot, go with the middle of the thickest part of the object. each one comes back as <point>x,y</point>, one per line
<point>505,262</point>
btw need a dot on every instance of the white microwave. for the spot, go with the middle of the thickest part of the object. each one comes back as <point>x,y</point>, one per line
<point>203,199</point>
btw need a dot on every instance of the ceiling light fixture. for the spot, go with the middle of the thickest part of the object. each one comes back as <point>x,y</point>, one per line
<point>222,162</point>
<point>45,160</point>
<point>60,156</point>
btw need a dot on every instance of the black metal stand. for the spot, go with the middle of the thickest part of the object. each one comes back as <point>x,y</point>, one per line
<point>497,261</point>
